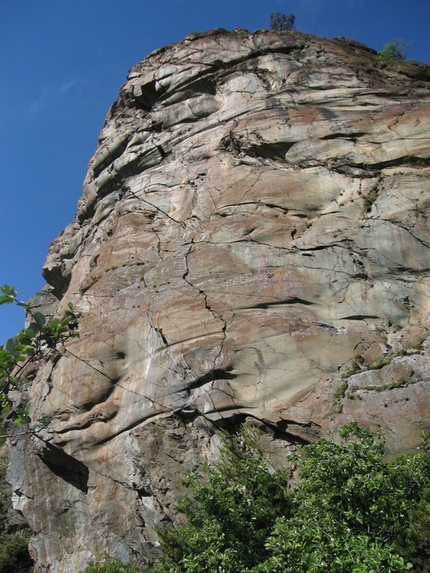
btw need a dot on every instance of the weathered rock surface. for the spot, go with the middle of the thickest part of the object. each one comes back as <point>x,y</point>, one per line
<point>253,240</point>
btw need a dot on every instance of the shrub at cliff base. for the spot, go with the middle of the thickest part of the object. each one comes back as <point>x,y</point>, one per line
<point>110,565</point>
<point>350,513</point>
<point>14,555</point>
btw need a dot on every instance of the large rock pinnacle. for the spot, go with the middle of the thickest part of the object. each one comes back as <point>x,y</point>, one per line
<point>252,241</point>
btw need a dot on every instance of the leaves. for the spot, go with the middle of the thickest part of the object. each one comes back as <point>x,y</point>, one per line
<point>394,50</point>
<point>14,553</point>
<point>39,318</point>
<point>351,512</point>
<point>8,295</point>
<point>109,565</point>
<point>31,344</point>
<point>230,514</point>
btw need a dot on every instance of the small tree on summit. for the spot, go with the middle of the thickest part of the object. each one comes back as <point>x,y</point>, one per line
<point>280,21</point>
<point>395,50</point>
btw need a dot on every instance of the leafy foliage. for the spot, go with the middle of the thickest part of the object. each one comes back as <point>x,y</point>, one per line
<point>351,512</point>
<point>31,344</point>
<point>230,513</point>
<point>280,21</point>
<point>14,555</point>
<point>16,355</point>
<point>394,50</point>
<point>109,565</point>
<point>343,511</point>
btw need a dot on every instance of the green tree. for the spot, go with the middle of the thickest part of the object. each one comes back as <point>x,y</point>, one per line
<point>347,510</point>
<point>411,475</point>
<point>394,50</point>
<point>351,512</point>
<point>230,513</point>
<point>279,21</point>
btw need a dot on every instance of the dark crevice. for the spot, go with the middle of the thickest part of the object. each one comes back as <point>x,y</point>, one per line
<point>149,158</point>
<point>162,152</point>
<point>211,377</point>
<point>187,91</point>
<point>233,422</point>
<point>305,251</point>
<point>274,151</point>
<point>295,45</point>
<point>350,136</point>
<point>111,156</point>
<point>57,280</point>
<point>200,86</point>
<point>295,432</point>
<point>294,300</point>
<point>372,168</point>
<point>147,97</point>
<point>287,431</point>
<point>163,338</point>
<point>405,161</point>
<point>65,467</point>
<point>274,206</point>
<point>359,317</point>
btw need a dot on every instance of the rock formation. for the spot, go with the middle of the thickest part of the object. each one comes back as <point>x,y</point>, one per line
<point>252,241</point>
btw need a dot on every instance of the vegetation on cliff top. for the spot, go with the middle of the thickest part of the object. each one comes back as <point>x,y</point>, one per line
<point>394,50</point>
<point>279,21</point>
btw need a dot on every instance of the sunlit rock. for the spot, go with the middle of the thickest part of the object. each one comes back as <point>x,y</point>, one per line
<point>252,241</point>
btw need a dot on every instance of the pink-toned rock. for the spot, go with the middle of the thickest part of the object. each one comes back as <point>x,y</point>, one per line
<point>252,239</point>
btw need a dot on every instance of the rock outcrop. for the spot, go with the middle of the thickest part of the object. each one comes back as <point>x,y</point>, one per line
<point>252,241</point>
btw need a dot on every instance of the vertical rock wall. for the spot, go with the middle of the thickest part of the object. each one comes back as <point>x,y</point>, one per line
<point>252,241</point>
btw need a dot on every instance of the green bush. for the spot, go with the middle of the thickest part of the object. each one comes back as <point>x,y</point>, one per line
<point>343,512</point>
<point>230,513</point>
<point>351,512</point>
<point>394,50</point>
<point>109,565</point>
<point>14,555</point>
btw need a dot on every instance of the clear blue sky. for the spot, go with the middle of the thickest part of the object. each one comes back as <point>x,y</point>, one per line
<point>62,64</point>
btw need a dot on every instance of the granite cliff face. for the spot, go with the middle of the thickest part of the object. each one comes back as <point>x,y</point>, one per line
<point>252,241</point>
